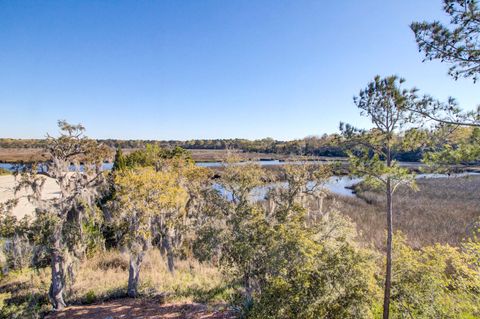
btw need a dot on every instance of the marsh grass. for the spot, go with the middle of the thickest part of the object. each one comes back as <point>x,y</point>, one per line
<point>443,210</point>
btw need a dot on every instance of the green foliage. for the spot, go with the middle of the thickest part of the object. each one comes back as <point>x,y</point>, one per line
<point>16,243</point>
<point>312,274</point>
<point>153,154</point>
<point>92,236</point>
<point>23,296</point>
<point>90,297</point>
<point>291,262</point>
<point>154,204</point>
<point>472,245</point>
<point>142,194</point>
<point>457,149</point>
<point>119,162</point>
<point>388,106</point>
<point>456,43</point>
<point>240,180</point>
<point>435,282</point>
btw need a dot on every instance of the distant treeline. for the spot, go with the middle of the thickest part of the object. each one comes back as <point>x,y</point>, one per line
<point>310,146</point>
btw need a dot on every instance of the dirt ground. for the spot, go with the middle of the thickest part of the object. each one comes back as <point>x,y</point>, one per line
<point>141,309</point>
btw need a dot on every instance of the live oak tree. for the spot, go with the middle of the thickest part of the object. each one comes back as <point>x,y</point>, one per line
<point>194,180</point>
<point>455,150</point>
<point>305,184</point>
<point>142,194</point>
<point>176,225</point>
<point>155,202</point>
<point>75,164</point>
<point>291,261</point>
<point>241,240</point>
<point>388,106</point>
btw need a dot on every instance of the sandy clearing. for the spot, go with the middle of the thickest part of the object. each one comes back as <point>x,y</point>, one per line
<point>141,309</point>
<point>24,207</point>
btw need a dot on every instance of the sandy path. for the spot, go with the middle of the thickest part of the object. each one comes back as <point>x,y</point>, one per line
<point>23,208</point>
<point>141,309</point>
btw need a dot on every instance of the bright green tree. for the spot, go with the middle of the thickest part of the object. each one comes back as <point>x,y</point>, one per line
<point>157,202</point>
<point>141,195</point>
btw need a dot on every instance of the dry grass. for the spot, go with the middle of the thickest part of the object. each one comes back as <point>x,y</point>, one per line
<point>104,277</point>
<point>443,210</point>
<point>201,155</point>
<point>14,155</point>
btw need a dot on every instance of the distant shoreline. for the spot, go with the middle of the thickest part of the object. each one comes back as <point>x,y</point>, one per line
<point>212,156</point>
<point>32,155</point>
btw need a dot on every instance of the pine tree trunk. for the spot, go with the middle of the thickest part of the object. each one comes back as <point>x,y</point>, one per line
<point>57,285</point>
<point>388,272</point>
<point>134,274</point>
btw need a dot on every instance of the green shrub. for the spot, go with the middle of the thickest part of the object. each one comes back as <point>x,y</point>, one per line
<point>90,297</point>
<point>311,275</point>
<point>439,281</point>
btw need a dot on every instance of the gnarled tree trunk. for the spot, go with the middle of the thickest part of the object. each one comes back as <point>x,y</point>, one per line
<point>134,274</point>
<point>167,245</point>
<point>57,285</point>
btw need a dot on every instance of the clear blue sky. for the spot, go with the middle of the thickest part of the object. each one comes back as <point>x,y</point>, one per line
<point>206,69</point>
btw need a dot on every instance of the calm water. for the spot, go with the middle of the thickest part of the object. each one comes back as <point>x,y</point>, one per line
<point>12,167</point>
<point>262,163</point>
<point>108,166</point>
<point>340,185</point>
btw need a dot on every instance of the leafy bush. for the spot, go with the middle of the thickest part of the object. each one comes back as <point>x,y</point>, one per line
<point>439,281</point>
<point>90,297</point>
<point>290,261</point>
<point>313,274</point>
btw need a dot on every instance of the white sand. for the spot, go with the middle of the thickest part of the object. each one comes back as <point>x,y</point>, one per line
<point>50,190</point>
